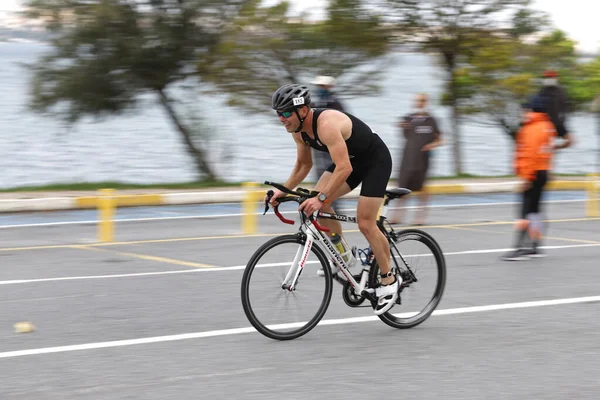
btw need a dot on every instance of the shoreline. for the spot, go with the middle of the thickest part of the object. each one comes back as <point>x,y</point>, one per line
<point>92,186</point>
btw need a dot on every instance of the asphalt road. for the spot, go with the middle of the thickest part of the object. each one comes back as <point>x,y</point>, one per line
<point>158,315</point>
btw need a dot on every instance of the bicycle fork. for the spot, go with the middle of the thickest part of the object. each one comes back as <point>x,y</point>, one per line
<point>291,279</point>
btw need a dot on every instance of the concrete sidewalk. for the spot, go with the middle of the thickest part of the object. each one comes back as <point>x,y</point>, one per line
<point>64,200</point>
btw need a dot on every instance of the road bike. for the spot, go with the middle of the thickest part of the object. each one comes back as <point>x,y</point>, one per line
<point>296,272</point>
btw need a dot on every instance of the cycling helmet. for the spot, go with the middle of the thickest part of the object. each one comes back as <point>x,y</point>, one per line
<point>290,96</point>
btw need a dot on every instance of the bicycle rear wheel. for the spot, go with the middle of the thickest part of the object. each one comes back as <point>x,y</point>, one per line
<point>421,263</point>
<point>274,310</point>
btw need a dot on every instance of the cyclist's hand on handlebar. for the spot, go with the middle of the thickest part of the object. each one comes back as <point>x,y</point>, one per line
<point>276,194</point>
<point>310,206</point>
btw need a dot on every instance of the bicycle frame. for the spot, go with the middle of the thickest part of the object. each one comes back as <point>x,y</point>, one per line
<point>314,235</point>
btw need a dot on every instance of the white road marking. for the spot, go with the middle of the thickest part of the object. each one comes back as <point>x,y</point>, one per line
<point>26,299</point>
<point>241,267</point>
<point>117,220</point>
<point>74,278</point>
<point>239,331</point>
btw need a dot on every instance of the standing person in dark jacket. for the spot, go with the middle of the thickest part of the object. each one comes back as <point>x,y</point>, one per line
<point>557,107</point>
<point>422,135</point>
<point>325,98</point>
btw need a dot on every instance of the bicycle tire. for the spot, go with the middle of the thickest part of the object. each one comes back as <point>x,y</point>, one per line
<point>270,331</point>
<point>410,322</point>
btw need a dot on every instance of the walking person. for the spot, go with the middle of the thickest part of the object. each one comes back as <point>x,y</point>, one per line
<point>422,135</point>
<point>532,163</point>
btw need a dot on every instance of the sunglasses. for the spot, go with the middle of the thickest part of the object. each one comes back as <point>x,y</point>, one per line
<point>285,114</point>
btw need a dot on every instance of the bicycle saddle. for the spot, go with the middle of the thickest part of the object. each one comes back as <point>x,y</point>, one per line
<point>397,193</point>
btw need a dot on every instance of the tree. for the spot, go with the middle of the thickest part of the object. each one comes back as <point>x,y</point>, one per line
<point>107,53</point>
<point>500,75</point>
<point>265,48</point>
<point>454,30</point>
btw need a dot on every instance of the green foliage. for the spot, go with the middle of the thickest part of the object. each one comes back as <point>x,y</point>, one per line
<point>505,71</point>
<point>460,33</point>
<point>264,49</point>
<point>583,83</point>
<point>106,53</point>
<point>526,22</point>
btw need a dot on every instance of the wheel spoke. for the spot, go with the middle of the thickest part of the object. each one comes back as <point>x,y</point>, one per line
<point>426,264</point>
<point>286,314</point>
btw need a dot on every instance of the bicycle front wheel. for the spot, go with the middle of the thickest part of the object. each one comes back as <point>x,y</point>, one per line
<point>272,307</point>
<point>418,258</point>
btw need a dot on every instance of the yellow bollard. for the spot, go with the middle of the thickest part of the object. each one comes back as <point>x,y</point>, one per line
<point>380,210</point>
<point>106,213</point>
<point>592,196</point>
<point>249,208</point>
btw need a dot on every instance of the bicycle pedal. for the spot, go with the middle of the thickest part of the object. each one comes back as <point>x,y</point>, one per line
<point>369,296</point>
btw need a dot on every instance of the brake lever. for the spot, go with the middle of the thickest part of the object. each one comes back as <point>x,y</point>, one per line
<point>270,194</point>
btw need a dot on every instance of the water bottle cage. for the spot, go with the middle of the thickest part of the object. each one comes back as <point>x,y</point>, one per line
<point>363,255</point>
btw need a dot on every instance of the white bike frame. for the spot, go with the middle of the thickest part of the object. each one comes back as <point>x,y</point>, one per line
<point>314,237</point>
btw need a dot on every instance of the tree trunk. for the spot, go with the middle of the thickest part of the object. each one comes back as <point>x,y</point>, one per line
<point>456,143</point>
<point>197,154</point>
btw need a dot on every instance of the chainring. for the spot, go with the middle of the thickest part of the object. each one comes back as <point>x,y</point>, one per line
<point>350,296</point>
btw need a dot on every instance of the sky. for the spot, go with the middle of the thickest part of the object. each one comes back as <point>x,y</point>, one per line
<point>579,18</point>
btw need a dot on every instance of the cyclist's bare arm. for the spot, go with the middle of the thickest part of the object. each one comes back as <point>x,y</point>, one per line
<point>303,164</point>
<point>331,128</point>
<point>301,169</point>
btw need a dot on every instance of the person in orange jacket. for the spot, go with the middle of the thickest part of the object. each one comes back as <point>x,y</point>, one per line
<point>532,163</point>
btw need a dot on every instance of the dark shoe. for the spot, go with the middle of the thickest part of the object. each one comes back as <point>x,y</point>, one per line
<point>517,255</point>
<point>536,253</point>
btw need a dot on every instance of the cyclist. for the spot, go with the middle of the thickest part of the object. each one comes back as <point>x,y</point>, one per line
<point>359,156</point>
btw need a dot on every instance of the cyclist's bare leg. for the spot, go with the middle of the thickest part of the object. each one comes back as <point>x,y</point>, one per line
<point>366,213</point>
<point>333,225</point>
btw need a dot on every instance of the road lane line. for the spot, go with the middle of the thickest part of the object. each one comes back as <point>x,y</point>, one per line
<point>259,235</point>
<point>241,267</point>
<point>512,233</point>
<point>239,331</point>
<point>148,257</point>
<point>84,277</point>
<point>237,215</point>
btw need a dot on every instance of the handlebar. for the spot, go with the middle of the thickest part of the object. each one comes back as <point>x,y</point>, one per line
<point>298,196</point>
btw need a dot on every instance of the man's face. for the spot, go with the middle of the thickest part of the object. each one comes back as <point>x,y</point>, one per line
<point>324,87</point>
<point>289,119</point>
<point>420,102</point>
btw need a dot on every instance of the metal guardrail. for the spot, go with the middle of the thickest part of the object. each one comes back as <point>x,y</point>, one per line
<point>251,194</point>
<point>591,186</point>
